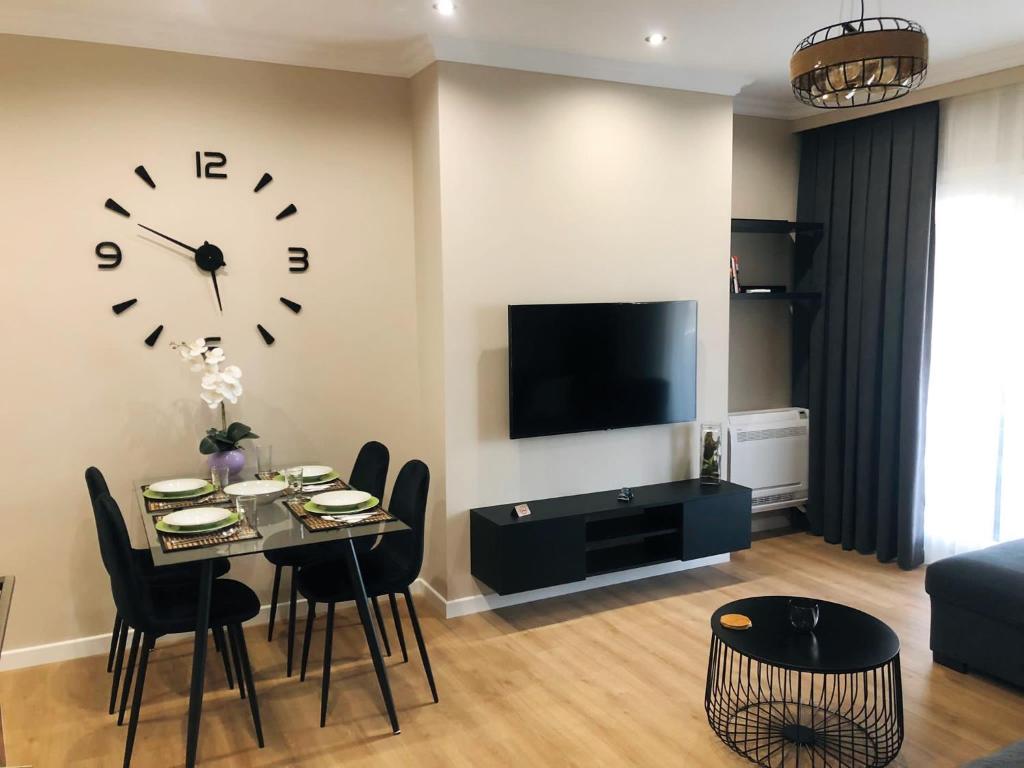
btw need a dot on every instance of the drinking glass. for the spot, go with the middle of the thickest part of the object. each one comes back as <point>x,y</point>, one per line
<point>264,458</point>
<point>220,476</point>
<point>293,477</point>
<point>246,507</point>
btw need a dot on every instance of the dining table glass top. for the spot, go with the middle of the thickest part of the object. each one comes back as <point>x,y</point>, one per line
<point>277,526</point>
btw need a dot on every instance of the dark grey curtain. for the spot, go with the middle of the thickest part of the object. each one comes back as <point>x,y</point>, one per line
<point>864,374</point>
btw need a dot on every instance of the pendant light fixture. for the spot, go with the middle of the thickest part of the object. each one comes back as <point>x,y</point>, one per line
<point>858,62</point>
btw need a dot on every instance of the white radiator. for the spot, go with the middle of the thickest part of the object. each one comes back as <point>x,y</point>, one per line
<point>768,452</point>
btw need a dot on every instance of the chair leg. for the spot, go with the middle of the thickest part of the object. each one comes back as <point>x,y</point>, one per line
<point>254,706</point>
<point>133,721</point>
<point>398,626</point>
<point>328,640</point>
<point>115,633</point>
<point>118,663</point>
<point>307,636</point>
<point>132,656</point>
<point>218,639</point>
<point>419,642</point>
<point>273,602</point>
<point>292,601</point>
<point>237,658</point>
<point>380,625</point>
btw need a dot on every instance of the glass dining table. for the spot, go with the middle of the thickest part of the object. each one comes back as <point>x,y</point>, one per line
<point>277,527</point>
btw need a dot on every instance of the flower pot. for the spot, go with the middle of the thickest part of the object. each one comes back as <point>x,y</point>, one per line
<point>232,460</point>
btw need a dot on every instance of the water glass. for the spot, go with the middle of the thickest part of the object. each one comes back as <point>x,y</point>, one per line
<point>293,477</point>
<point>220,476</point>
<point>245,506</point>
<point>264,458</point>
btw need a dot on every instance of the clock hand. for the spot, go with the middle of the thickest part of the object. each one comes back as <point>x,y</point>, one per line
<point>165,237</point>
<point>216,289</point>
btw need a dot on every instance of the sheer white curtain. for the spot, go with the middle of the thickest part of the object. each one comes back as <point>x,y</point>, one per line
<point>974,459</point>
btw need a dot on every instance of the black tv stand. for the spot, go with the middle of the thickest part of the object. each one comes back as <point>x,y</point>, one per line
<point>569,538</point>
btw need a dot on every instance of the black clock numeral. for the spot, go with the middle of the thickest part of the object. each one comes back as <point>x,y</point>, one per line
<point>151,339</point>
<point>214,160</point>
<point>109,251</point>
<point>302,259</point>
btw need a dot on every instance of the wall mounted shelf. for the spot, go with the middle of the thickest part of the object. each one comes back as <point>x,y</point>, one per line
<point>776,227</point>
<point>787,296</point>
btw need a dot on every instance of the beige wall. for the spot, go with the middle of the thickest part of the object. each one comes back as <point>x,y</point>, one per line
<point>79,386</point>
<point>765,167</point>
<point>556,189</point>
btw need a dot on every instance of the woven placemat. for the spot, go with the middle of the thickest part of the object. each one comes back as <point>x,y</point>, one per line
<point>314,523</point>
<point>211,499</point>
<point>334,485</point>
<point>176,542</point>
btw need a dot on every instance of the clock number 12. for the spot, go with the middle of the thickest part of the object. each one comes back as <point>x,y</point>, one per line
<point>208,170</point>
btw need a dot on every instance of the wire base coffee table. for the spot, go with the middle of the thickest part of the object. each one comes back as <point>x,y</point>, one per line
<point>831,698</point>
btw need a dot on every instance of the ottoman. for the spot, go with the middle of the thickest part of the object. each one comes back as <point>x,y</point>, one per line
<point>978,611</point>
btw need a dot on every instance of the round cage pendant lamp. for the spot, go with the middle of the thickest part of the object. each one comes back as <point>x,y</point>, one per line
<point>858,62</point>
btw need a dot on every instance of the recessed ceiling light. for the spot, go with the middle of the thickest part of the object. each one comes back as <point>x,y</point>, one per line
<point>656,38</point>
<point>445,7</point>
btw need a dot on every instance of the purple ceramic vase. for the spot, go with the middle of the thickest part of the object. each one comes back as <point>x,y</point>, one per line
<point>232,460</point>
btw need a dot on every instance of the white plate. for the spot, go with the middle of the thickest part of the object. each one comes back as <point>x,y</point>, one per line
<point>181,485</point>
<point>200,517</point>
<point>263,488</point>
<point>341,499</point>
<point>313,471</point>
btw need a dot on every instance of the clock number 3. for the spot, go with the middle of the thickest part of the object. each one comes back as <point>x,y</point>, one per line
<point>301,260</point>
<point>214,160</point>
<point>109,251</point>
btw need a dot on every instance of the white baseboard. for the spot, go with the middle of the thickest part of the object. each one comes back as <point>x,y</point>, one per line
<point>76,648</point>
<point>464,606</point>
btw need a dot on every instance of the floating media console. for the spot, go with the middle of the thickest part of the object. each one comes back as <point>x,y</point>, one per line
<point>567,539</point>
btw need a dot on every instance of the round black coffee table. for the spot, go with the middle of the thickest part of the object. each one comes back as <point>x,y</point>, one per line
<point>832,697</point>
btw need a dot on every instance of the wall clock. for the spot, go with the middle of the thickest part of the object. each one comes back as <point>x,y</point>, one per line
<point>209,257</point>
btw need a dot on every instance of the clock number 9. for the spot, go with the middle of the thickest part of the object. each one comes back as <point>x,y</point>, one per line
<point>214,160</point>
<point>109,251</point>
<point>302,259</point>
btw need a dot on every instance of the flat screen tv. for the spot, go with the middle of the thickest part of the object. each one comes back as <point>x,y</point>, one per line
<point>585,367</point>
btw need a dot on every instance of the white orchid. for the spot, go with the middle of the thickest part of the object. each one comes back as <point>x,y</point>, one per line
<point>217,384</point>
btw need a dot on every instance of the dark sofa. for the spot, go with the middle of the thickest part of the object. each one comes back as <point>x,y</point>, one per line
<point>978,611</point>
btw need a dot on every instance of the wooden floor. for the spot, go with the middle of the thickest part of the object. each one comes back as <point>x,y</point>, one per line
<point>611,677</point>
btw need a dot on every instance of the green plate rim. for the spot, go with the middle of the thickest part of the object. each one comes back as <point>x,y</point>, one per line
<point>315,509</point>
<point>206,490</point>
<point>232,519</point>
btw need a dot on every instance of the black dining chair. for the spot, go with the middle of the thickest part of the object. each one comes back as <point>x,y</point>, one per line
<point>370,474</point>
<point>152,612</point>
<point>388,569</point>
<point>171,576</point>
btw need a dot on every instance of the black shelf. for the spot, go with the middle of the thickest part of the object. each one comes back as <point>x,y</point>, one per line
<point>775,227</point>
<point>628,557</point>
<point>787,296</point>
<point>628,538</point>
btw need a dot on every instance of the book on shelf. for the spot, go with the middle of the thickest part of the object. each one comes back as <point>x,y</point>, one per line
<point>734,274</point>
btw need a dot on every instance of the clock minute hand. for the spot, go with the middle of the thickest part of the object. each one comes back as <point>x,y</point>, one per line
<point>165,237</point>
<point>216,289</point>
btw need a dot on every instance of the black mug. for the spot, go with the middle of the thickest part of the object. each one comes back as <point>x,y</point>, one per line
<point>803,615</point>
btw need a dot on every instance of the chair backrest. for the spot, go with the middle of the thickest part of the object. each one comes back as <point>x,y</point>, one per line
<point>96,482</point>
<point>128,583</point>
<point>409,504</point>
<point>370,472</point>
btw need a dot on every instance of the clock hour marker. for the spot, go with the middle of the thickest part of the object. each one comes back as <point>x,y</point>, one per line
<point>267,335</point>
<point>119,308</point>
<point>287,212</point>
<point>264,180</point>
<point>118,208</point>
<point>211,340</point>
<point>143,174</point>
<point>151,339</point>
<point>294,306</point>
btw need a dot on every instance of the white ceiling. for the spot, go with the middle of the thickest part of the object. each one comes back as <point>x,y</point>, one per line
<point>721,46</point>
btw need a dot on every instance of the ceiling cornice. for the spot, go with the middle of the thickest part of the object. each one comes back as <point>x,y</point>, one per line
<point>589,67</point>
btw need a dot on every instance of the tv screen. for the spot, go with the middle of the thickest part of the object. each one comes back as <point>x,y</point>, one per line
<point>583,367</point>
